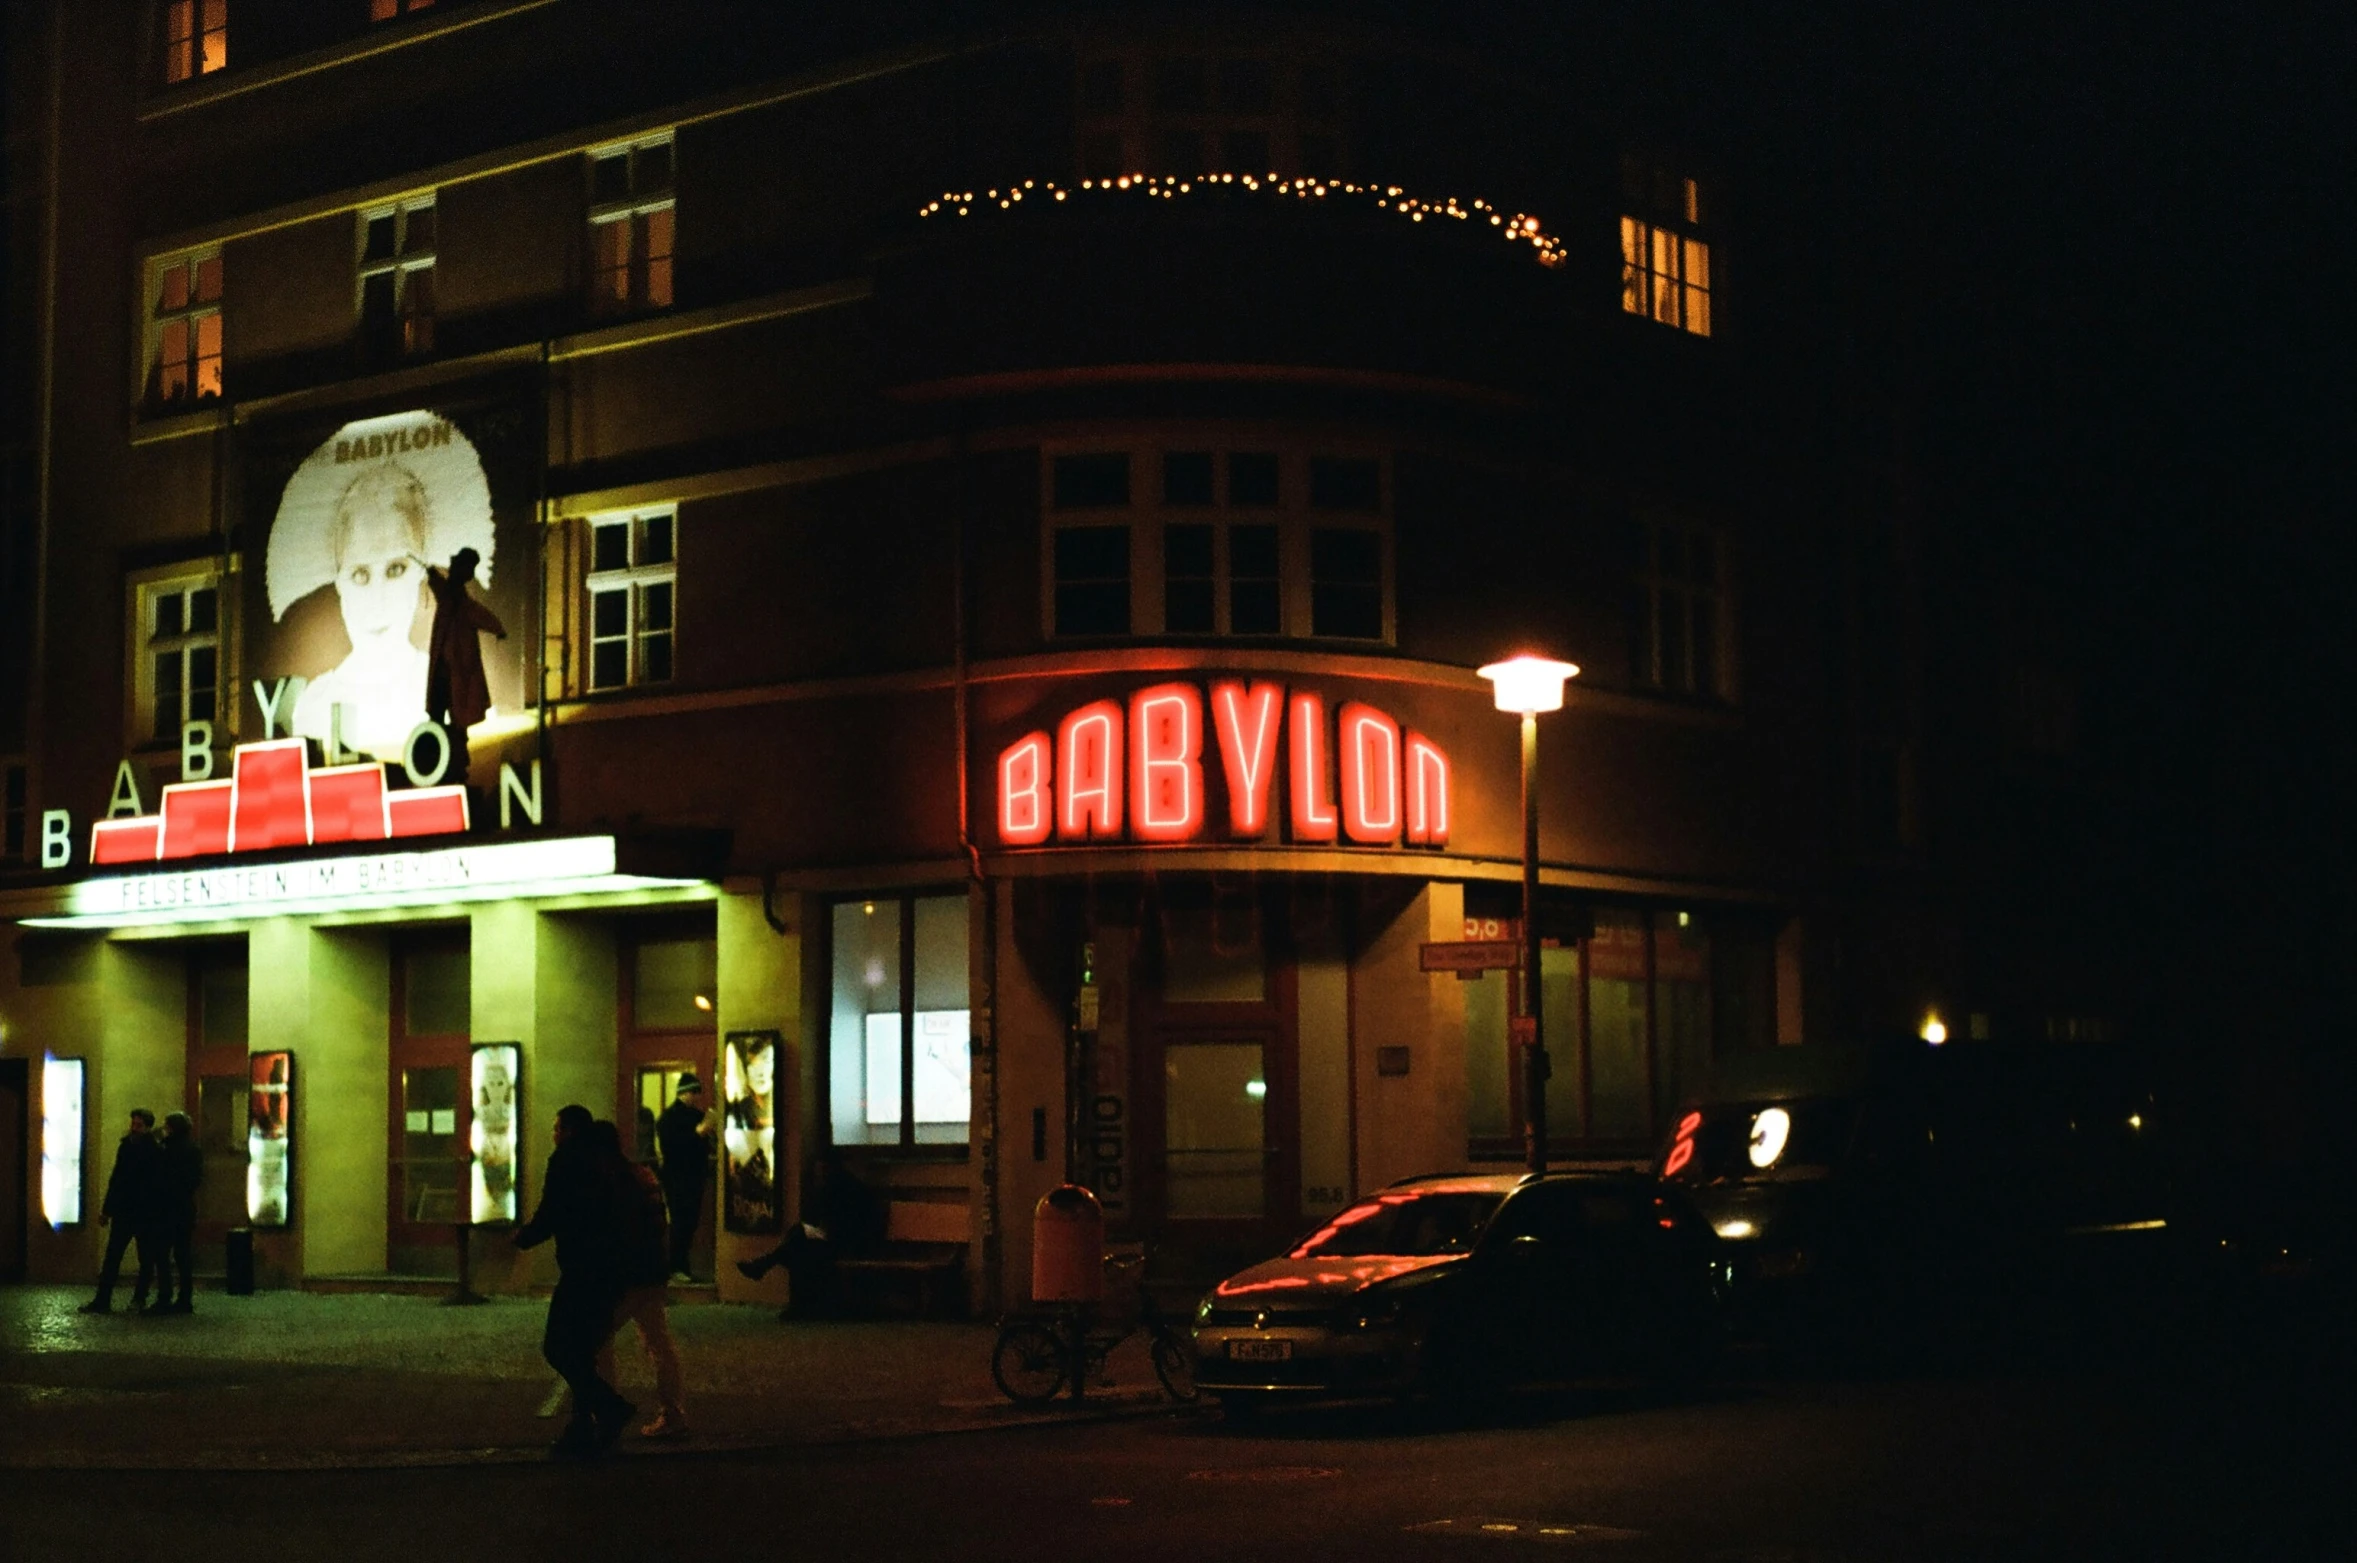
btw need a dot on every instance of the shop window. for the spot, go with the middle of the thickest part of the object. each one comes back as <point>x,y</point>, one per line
<point>1217,543</point>
<point>1231,112</point>
<point>390,10</point>
<point>177,663</point>
<point>184,331</point>
<point>632,219</point>
<point>15,810</point>
<point>396,271</point>
<point>633,598</point>
<point>1683,610</point>
<point>899,1053</point>
<point>196,38</point>
<point>1664,260</point>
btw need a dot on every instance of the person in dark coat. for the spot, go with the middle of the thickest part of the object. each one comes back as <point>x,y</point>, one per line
<point>581,1207</point>
<point>181,1167</point>
<point>679,1133</point>
<point>646,1279</point>
<point>457,694</point>
<point>841,1218</point>
<point>133,1192</point>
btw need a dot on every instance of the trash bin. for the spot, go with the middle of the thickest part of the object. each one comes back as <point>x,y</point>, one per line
<point>1068,1246</point>
<point>241,1261</point>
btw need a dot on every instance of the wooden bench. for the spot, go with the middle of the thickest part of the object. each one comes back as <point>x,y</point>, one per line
<point>924,1243</point>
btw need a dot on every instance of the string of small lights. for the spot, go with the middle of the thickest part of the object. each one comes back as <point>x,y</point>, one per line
<point>1517,228</point>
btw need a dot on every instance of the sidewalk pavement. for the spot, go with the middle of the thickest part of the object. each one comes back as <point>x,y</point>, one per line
<point>299,1380</point>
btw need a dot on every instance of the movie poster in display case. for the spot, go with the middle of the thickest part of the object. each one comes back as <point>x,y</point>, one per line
<point>62,1120</point>
<point>752,1194</point>
<point>496,1080</point>
<point>270,1120</point>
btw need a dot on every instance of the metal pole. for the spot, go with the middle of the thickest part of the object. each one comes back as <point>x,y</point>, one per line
<point>1535,1061</point>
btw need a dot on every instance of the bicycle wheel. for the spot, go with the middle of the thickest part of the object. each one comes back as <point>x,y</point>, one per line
<point>1174,1364</point>
<point>1028,1363</point>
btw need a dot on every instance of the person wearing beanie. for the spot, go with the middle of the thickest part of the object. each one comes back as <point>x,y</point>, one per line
<point>680,1135</point>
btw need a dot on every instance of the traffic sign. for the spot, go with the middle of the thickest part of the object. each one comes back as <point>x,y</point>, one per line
<point>1472,955</point>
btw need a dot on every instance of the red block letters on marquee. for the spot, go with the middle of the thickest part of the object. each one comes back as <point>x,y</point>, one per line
<point>1363,780</point>
<point>274,799</point>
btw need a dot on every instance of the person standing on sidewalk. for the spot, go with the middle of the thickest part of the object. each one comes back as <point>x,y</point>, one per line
<point>181,1168</point>
<point>133,1189</point>
<point>679,1133</point>
<point>580,1207</point>
<point>646,1280</point>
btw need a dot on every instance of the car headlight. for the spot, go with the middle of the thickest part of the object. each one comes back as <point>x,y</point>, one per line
<point>1769,1132</point>
<point>1203,1310</point>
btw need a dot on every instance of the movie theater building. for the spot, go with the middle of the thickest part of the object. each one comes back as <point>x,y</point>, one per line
<point>987,678</point>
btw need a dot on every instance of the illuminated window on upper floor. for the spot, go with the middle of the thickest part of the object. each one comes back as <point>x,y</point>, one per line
<point>632,585</point>
<point>1238,113</point>
<point>196,38</point>
<point>184,330</point>
<point>631,226</point>
<point>1684,611</point>
<point>1664,261</point>
<point>396,278</point>
<point>388,10</point>
<point>1200,540</point>
<point>176,666</point>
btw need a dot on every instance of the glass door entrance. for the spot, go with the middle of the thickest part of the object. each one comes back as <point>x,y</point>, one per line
<point>1215,1127</point>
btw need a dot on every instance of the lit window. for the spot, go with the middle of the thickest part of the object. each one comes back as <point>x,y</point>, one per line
<point>1195,114</point>
<point>15,810</point>
<point>900,1035</point>
<point>180,655</point>
<point>1239,542</point>
<point>633,582</point>
<point>1682,610</point>
<point>631,227</point>
<point>196,38</point>
<point>1664,264</point>
<point>397,278</point>
<point>387,10</point>
<point>184,330</point>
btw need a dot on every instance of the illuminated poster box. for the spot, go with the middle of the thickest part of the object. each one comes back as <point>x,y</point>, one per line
<point>497,1083</point>
<point>61,1140</point>
<point>749,1061</point>
<point>270,1138</point>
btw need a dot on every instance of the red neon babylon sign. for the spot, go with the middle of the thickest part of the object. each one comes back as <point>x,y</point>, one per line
<point>1141,770</point>
<point>272,798</point>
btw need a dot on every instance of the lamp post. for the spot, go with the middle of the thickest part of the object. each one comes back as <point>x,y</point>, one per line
<point>1525,686</point>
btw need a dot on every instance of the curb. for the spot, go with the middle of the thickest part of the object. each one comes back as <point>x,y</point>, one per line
<point>1114,1407</point>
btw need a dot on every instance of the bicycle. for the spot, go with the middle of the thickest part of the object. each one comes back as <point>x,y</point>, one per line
<point>1038,1354</point>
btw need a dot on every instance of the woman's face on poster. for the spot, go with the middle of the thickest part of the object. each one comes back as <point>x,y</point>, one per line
<point>378,577</point>
<point>760,1069</point>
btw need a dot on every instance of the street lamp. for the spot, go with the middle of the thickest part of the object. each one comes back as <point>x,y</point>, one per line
<point>1527,685</point>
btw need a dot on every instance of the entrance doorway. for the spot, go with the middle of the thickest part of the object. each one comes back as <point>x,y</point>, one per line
<point>218,1078</point>
<point>670,1030</point>
<point>431,1118</point>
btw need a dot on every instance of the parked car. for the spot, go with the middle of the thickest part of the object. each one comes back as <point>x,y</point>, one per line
<point>1921,1193</point>
<point>1454,1283</point>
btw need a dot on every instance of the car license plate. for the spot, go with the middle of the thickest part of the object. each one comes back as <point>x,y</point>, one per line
<point>1259,1350</point>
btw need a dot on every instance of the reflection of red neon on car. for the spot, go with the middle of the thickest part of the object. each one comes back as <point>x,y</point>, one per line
<point>1682,1151</point>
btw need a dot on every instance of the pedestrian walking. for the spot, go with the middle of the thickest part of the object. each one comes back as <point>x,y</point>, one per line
<point>181,1169</point>
<point>646,1282</point>
<point>679,1134</point>
<point>581,1209</point>
<point>128,1211</point>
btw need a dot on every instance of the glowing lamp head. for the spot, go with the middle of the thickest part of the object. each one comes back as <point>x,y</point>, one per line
<point>1935,1030</point>
<point>1527,685</point>
<point>1769,1133</point>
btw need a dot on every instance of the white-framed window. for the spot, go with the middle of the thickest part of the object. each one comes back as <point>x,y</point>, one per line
<point>1235,538</point>
<point>390,10</point>
<point>196,38</point>
<point>1684,610</point>
<point>176,639</point>
<point>16,810</point>
<point>632,224</point>
<point>184,329</point>
<point>1238,112</point>
<point>1664,260</point>
<point>632,587</point>
<point>396,277</point>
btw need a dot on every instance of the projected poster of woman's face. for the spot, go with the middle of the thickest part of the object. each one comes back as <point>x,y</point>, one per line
<point>365,514</point>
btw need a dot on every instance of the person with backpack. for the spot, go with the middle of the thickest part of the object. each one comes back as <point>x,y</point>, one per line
<point>646,1281</point>
<point>581,1207</point>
